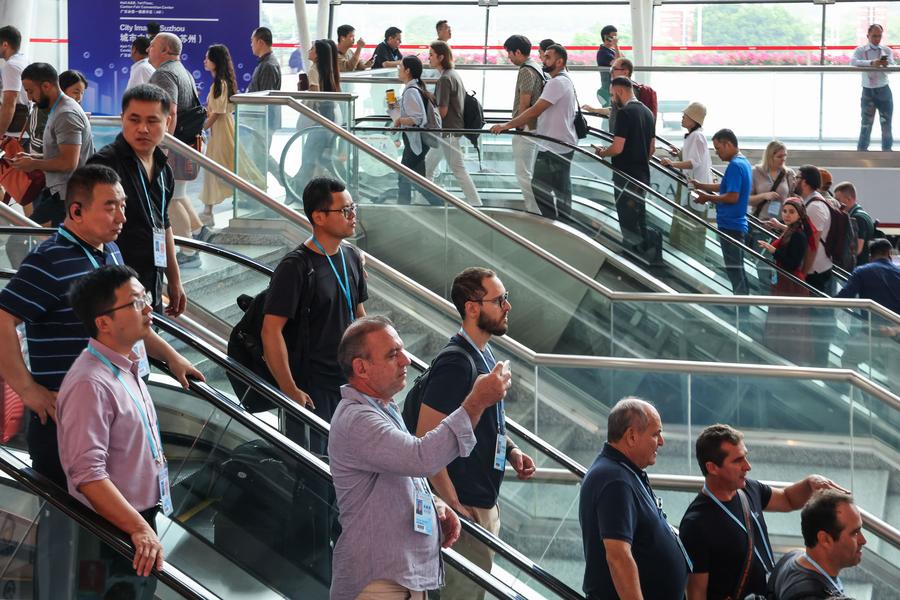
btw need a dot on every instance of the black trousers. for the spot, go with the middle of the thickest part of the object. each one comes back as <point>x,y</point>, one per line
<point>122,581</point>
<point>416,162</point>
<point>551,180</point>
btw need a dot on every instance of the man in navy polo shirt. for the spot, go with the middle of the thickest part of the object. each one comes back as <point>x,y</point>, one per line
<point>731,206</point>
<point>630,549</point>
<point>38,296</point>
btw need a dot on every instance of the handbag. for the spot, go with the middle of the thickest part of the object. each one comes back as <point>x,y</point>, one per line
<point>748,560</point>
<point>20,186</point>
<point>183,168</point>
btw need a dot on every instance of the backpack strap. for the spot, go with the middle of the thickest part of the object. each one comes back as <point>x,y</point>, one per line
<point>751,541</point>
<point>307,294</point>
<point>457,349</point>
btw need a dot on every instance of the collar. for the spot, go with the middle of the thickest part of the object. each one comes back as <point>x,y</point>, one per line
<point>815,194</point>
<point>99,253</point>
<point>264,57</point>
<point>613,454</point>
<point>348,392</point>
<point>123,362</point>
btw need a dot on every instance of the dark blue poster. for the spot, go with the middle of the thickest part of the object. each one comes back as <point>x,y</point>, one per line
<point>101,33</point>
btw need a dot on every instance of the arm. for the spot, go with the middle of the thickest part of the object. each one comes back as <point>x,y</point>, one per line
<point>850,290</point>
<point>532,113</point>
<point>623,569</point>
<point>390,63</point>
<point>7,109</point>
<point>64,162</point>
<point>729,198</point>
<point>13,370</point>
<point>524,102</point>
<point>697,586</point>
<point>168,84</point>
<point>210,119</point>
<point>613,149</point>
<point>276,356</point>
<point>109,503</point>
<point>181,368</point>
<point>795,496</point>
<point>429,418</point>
<point>354,60</point>
<point>177,297</point>
<point>681,164</point>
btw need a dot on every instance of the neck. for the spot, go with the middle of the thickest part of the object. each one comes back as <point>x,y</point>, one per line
<point>343,47</point>
<point>718,490</point>
<point>77,230</point>
<point>328,242</point>
<point>624,450</point>
<point>478,335</point>
<point>53,95</point>
<point>146,158</point>
<point>819,555</point>
<point>118,346</point>
<point>364,388</point>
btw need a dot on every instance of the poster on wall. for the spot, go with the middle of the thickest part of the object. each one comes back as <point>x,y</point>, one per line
<point>101,33</point>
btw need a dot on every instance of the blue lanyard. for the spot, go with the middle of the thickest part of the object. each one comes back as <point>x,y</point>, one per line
<point>88,253</point>
<point>156,452</point>
<point>762,534</point>
<point>648,496</point>
<point>836,584</point>
<point>343,284</point>
<point>489,365</point>
<point>52,108</point>
<point>162,188</point>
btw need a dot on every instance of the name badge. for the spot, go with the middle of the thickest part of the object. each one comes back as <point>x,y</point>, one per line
<point>159,247</point>
<point>165,493</point>
<point>423,521</point>
<point>500,453</point>
<point>143,362</point>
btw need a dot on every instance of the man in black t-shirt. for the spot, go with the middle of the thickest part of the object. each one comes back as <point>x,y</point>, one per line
<point>633,144</point>
<point>713,528</point>
<point>471,485</point>
<point>387,53</point>
<point>832,533</point>
<point>339,290</point>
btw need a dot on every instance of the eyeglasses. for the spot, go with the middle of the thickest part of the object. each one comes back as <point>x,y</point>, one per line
<point>347,211</point>
<point>499,300</point>
<point>138,304</point>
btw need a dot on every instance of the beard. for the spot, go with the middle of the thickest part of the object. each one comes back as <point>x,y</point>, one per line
<point>44,102</point>
<point>492,326</point>
<point>547,69</point>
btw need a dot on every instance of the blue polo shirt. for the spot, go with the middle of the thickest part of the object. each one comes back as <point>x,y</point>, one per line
<point>878,280</point>
<point>737,178</point>
<point>617,503</point>
<point>38,295</point>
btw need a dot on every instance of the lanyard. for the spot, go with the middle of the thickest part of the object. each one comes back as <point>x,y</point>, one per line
<point>162,188</point>
<point>52,108</point>
<point>154,449</point>
<point>343,284</point>
<point>762,535</point>
<point>835,583</point>
<point>489,365</point>
<point>397,420</point>
<point>88,253</point>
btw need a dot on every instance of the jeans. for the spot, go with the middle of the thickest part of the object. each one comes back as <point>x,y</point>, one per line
<point>416,162</point>
<point>453,154</point>
<point>882,100</point>
<point>524,151</point>
<point>551,178</point>
<point>733,256</point>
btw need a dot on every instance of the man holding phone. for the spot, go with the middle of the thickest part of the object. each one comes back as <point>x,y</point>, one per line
<point>606,54</point>
<point>876,93</point>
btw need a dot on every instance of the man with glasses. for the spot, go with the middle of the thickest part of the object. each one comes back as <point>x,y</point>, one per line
<point>622,67</point>
<point>471,484</point>
<point>110,444</point>
<point>331,272</point>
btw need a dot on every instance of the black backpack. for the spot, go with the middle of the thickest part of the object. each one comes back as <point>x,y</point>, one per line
<point>413,402</point>
<point>843,235</point>
<point>245,342</point>
<point>473,118</point>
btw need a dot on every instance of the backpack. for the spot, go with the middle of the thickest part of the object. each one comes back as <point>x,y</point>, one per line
<point>843,235</point>
<point>432,121</point>
<point>647,96</point>
<point>245,342</point>
<point>473,118</point>
<point>413,402</point>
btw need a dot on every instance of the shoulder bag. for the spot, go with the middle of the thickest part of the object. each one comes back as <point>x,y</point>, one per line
<point>759,207</point>
<point>751,539</point>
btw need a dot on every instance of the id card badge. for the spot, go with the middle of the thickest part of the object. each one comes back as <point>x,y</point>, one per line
<point>423,521</point>
<point>159,248</point>
<point>500,453</point>
<point>143,362</point>
<point>165,492</point>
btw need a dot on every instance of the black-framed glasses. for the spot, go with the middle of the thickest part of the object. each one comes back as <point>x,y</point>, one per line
<point>139,304</point>
<point>499,300</point>
<point>347,211</point>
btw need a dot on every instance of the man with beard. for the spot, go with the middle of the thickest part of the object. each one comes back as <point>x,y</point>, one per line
<point>471,485</point>
<point>67,141</point>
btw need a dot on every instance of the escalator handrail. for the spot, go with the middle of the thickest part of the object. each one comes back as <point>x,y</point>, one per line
<point>108,533</point>
<point>646,188</point>
<point>395,276</point>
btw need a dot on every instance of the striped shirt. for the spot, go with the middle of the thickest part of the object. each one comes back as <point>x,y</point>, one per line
<point>38,295</point>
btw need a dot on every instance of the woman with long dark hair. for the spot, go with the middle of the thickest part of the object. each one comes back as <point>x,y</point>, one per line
<point>414,101</point>
<point>787,327</point>
<point>220,124</point>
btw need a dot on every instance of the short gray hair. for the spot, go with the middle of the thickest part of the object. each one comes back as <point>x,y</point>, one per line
<point>630,411</point>
<point>173,42</point>
<point>353,343</point>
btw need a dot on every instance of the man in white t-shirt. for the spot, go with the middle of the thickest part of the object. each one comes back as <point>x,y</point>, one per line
<point>141,70</point>
<point>13,100</point>
<point>555,113</point>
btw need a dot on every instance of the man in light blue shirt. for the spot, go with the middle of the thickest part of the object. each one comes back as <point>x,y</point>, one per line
<point>876,93</point>
<point>731,206</point>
